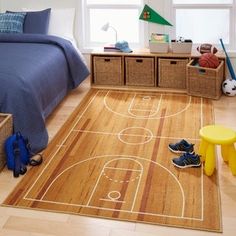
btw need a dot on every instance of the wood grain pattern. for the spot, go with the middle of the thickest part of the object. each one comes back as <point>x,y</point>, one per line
<point>111,160</point>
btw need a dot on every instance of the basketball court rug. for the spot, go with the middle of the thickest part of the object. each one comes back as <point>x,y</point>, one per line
<point>111,160</point>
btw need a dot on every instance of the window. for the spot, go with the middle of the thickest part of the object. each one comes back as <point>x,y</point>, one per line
<point>122,15</point>
<point>205,21</point>
<point>202,1</point>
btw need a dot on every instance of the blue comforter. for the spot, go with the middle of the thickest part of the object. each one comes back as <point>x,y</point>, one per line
<point>36,72</point>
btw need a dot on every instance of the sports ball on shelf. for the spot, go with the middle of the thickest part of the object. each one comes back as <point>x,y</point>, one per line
<point>209,60</point>
<point>229,87</point>
<point>206,47</point>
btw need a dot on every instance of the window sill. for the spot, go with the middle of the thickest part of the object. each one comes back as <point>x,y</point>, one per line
<point>231,53</point>
<point>86,50</point>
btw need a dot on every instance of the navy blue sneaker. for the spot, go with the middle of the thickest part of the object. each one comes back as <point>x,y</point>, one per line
<point>181,147</point>
<point>187,160</point>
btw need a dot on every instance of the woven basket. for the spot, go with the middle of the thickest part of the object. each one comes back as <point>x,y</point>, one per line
<point>6,128</point>
<point>204,82</point>
<point>107,70</point>
<point>140,71</point>
<point>172,73</point>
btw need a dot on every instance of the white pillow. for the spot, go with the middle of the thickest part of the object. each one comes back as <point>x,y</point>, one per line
<point>61,22</point>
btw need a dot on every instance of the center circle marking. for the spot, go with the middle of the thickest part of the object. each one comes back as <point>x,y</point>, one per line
<point>147,133</point>
<point>146,98</point>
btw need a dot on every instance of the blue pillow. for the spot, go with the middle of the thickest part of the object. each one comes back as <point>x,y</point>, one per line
<point>12,22</point>
<point>36,22</point>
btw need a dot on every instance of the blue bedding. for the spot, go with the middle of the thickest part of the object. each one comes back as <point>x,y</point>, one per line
<point>36,72</point>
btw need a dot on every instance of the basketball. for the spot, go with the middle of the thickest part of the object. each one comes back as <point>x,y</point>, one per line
<point>209,60</point>
<point>206,47</point>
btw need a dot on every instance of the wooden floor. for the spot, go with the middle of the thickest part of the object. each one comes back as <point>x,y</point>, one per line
<point>29,222</point>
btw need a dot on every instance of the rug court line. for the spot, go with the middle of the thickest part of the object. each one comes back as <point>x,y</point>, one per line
<point>149,93</point>
<point>125,156</point>
<point>108,134</point>
<point>136,109</point>
<point>134,135</point>
<point>66,139</point>
<point>148,117</point>
<point>202,193</point>
<point>124,169</point>
<point>155,111</point>
<point>95,187</point>
<point>120,181</point>
<point>109,209</point>
<point>137,143</point>
<point>57,150</point>
<point>110,200</point>
<point>202,181</point>
<point>136,193</point>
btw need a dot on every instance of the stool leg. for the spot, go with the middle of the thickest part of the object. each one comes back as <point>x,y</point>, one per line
<point>202,149</point>
<point>225,152</point>
<point>210,159</point>
<point>232,159</point>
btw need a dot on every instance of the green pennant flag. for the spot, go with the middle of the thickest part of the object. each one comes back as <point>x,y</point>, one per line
<point>148,14</point>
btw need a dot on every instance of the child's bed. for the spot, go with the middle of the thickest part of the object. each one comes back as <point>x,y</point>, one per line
<point>36,72</point>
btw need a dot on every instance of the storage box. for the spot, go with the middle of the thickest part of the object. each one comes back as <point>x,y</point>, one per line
<point>140,71</point>
<point>6,128</point>
<point>204,82</point>
<point>158,47</point>
<point>172,73</point>
<point>181,47</point>
<point>108,70</point>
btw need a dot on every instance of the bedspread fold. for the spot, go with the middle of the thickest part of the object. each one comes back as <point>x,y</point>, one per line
<point>36,72</point>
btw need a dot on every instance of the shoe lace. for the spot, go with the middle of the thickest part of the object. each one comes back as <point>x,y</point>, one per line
<point>183,144</point>
<point>189,158</point>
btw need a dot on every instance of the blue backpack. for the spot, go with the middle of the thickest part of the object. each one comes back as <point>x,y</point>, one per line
<point>18,153</point>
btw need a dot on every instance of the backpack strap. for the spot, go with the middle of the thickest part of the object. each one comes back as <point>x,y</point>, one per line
<point>19,168</point>
<point>28,146</point>
<point>18,135</point>
<point>35,158</point>
<point>17,161</point>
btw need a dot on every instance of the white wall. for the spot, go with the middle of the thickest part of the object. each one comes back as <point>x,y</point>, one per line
<point>16,5</point>
<point>159,5</point>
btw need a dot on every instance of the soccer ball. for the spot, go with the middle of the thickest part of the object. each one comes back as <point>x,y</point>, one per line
<point>229,87</point>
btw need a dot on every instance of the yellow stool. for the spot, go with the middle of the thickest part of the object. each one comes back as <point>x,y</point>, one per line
<point>217,134</point>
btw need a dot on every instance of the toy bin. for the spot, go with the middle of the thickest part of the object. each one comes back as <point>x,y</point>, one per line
<point>157,47</point>
<point>181,47</point>
<point>6,128</point>
<point>204,82</point>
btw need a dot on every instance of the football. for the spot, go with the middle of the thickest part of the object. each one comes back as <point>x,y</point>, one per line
<point>229,87</point>
<point>206,48</point>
